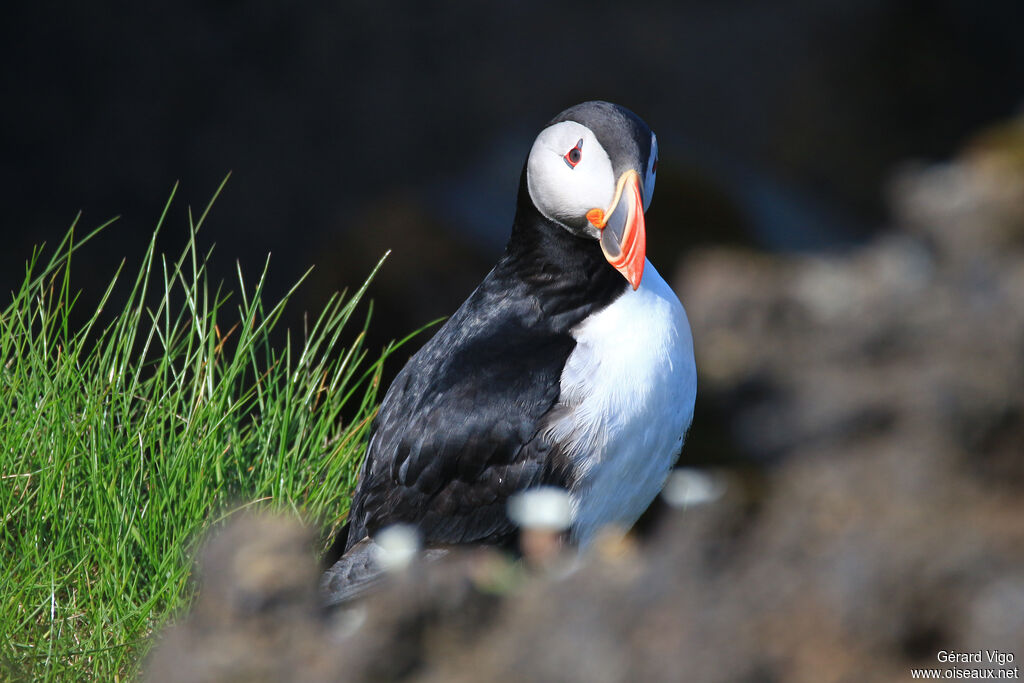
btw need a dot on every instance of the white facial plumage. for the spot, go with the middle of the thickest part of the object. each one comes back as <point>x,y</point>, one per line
<point>564,192</point>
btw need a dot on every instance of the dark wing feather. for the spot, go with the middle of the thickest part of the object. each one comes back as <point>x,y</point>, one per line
<point>460,429</point>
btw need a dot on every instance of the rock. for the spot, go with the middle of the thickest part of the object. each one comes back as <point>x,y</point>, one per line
<point>919,330</point>
<point>256,617</point>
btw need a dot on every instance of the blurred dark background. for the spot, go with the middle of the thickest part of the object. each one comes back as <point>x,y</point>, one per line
<point>356,127</point>
<point>863,335</point>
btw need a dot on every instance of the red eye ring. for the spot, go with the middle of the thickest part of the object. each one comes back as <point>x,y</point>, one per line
<point>574,155</point>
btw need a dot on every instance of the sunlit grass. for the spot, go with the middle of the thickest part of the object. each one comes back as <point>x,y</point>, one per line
<point>122,438</point>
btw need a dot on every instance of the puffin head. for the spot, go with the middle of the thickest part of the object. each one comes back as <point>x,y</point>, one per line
<point>591,171</point>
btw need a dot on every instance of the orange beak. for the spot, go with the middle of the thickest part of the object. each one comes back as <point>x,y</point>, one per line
<point>623,234</point>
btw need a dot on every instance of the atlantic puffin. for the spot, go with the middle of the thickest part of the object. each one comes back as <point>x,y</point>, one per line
<point>570,365</point>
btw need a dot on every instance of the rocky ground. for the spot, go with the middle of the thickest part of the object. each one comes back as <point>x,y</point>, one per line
<point>874,518</point>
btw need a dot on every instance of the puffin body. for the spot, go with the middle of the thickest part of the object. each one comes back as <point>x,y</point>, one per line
<point>570,365</point>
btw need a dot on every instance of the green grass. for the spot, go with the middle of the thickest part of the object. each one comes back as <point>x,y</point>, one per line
<point>124,438</point>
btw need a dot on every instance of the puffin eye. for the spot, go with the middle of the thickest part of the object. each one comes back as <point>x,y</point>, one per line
<point>573,156</point>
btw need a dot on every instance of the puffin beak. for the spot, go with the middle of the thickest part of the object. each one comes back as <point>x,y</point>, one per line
<point>623,235</point>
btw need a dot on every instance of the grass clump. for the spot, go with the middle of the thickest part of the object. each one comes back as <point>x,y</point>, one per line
<point>123,437</point>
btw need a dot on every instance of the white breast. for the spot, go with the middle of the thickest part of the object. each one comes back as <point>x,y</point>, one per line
<point>627,393</point>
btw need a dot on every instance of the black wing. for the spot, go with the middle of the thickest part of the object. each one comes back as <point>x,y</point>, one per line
<point>460,429</point>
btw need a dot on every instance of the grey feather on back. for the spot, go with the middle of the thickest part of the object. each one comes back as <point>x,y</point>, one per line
<point>358,572</point>
<point>351,576</point>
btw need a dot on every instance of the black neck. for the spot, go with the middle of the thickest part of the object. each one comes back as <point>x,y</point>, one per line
<point>556,264</point>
